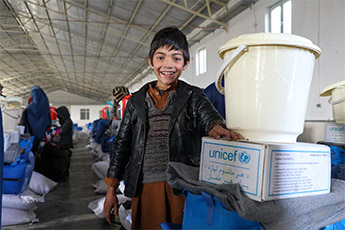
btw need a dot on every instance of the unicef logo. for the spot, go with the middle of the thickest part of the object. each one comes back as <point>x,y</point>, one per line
<point>244,157</point>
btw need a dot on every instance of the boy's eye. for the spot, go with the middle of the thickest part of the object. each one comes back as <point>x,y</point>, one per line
<point>159,58</point>
<point>177,59</point>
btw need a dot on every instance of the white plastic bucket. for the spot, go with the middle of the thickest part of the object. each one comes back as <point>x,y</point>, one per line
<point>267,81</point>
<point>10,118</point>
<point>11,112</point>
<point>337,100</point>
<point>338,104</point>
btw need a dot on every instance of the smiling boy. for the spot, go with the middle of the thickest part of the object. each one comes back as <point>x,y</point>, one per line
<point>160,124</point>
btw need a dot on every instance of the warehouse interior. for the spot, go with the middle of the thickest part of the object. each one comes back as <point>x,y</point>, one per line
<point>87,47</point>
<point>77,51</point>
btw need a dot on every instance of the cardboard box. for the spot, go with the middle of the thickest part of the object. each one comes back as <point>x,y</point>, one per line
<point>267,171</point>
<point>335,132</point>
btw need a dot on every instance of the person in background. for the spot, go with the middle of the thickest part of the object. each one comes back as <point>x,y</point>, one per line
<point>36,117</point>
<point>66,134</point>
<point>216,98</point>
<point>119,92</point>
<point>160,124</point>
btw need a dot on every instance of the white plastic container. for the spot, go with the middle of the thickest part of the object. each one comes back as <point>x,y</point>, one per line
<point>10,118</point>
<point>337,100</point>
<point>11,112</point>
<point>267,81</point>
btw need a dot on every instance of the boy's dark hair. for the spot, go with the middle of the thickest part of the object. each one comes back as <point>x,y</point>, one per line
<point>171,37</point>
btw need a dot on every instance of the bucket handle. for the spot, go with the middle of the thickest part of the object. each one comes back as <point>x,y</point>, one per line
<point>229,60</point>
<point>335,102</point>
<point>3,105</point>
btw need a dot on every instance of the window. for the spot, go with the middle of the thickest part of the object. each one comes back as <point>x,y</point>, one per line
<point>201,61</point>
<point>280,17</point>
<point>84,114</point>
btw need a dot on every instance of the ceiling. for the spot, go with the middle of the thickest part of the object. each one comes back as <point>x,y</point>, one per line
<point>86,47</point>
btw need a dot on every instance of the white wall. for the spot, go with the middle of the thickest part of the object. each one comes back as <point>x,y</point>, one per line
<point>323,23</point>
<point>94,113</point>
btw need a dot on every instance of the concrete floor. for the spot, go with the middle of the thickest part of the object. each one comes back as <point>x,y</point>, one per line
<point>65,207</point>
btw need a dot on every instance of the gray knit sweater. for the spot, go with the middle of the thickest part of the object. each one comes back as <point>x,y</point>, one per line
<point>156,155</point>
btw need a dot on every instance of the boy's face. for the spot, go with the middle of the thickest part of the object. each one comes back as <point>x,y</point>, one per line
<point>168,66</point>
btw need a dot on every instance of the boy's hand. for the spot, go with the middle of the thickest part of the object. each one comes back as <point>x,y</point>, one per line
<point>110,202</point>
<point>218,131</point>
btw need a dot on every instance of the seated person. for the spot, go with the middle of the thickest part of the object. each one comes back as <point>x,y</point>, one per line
<point>51,161</point>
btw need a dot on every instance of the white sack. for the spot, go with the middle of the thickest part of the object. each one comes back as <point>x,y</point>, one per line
<point>26,200</point>
<point>125,217</point>
<point>122,187</point>
<point>97,207</point>
<point>30,196</point>
<point>103,157</point>
<point>100,168</point>
<point>100,186</point>
<point>92,145</point>
<point>122,199</point>
<point>41,184</point>
<point>11,216</point>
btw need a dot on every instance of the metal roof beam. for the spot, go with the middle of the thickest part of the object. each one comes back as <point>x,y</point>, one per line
<point>196,13</point>
<point>120,21</point>
<point>143,38</point>
<point>17,19</point>
<point>85,33</point>
<point>104,32</point>
<point>69,36</point>
<point>39,31</point>
<point>124,32</point>
<point>55,38</point>
<point>111,18</point>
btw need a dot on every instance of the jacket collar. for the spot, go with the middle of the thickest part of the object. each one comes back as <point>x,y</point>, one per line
<point>182,95</point>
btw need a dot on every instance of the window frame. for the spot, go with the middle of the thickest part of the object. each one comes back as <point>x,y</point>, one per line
<point>84,114</point>
<point>201,65</point>
<point>283,22</point>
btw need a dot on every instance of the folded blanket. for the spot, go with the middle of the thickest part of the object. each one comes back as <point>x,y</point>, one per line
<point>311,212</point>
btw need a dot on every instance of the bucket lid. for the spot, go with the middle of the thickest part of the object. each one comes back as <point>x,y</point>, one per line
<point>14,101</point>
<point>259,39</point>
<point>327,91</point>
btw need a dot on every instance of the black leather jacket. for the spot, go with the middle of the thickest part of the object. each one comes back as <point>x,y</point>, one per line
<point>191,107</point>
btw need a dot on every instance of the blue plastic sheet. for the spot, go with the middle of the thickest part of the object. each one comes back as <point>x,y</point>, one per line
<point>27,144</point>
<point>337,226</point>
<point>338,162</point>
<point>207,212</point>
<point>337,155</point>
